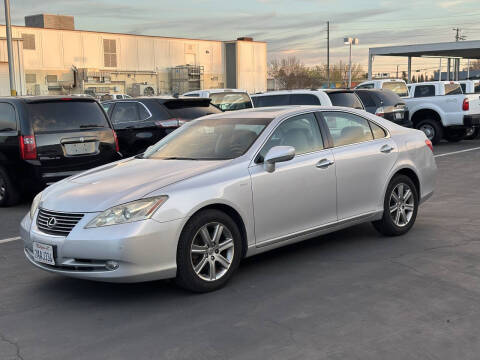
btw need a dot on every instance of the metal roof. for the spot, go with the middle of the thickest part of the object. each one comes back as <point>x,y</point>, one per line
<point>459,49</point>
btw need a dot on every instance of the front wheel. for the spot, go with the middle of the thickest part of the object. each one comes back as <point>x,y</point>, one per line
<point>209,251</point>
<point>400,207</point>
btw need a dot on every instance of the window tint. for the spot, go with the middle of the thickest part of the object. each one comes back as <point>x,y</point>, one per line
<point>378,132</point>
<point>143,112</point>
<point>345,99</point>
<point>304,99</point>
<point>453,89</point>
<point>231,101</point>
<point>8,120</point>
<point>424,90</point>
<point>365,86</point>
<point>347,128</point>
<point>301,132</point>
<point>107,106</point>
<point>125,112</point>
<point>366,98</point>
<point>476,88</point>
<point>271,100</point>
<point>189,110</point>
<point>55,116</point>
<point>464,88</point>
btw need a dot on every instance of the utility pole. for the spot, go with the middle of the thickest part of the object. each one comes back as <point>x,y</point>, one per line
<point>397,72</point>
<point>458,37</point>
<point>328,54</point>
<point>11,71</point>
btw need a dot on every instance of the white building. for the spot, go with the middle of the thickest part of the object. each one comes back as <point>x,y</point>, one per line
<point>63,60</point>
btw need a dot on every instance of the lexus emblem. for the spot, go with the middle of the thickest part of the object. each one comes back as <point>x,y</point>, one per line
<point>51,222</point>
<point>82,139</point>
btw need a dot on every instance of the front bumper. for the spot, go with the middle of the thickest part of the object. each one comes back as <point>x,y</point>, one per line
<point>471,120</point>
<point>144,250</point>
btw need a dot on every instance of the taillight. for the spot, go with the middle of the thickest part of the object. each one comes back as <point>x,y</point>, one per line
<point>28,148</point>
<point>170,123</point>
<point>380,112</point>
<point>117,148</point>
<point>429,144</point>
<point>466,104</point>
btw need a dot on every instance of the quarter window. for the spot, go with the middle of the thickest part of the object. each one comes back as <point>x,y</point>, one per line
<point>347,128</point>
<point>378,132</point>
<point>301,132</point>
<point>8,120</point>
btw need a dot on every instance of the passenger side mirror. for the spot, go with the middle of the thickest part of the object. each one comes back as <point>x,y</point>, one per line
<point>278,154</point>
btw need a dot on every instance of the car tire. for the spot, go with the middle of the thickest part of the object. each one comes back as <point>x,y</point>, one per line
<point>202,267</point>
<point>455,135</point>
<point>472,133</point>
<point>400,207</point>
<point>432,129</point>
<point>9,194</point>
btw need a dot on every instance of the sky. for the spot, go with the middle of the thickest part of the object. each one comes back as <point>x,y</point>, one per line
<point>291,28</point>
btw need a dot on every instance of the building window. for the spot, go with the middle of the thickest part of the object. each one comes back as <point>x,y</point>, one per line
<point>28,41</point>
<point>110,52</point>
<point>52,79</point>
<point>31,78</point>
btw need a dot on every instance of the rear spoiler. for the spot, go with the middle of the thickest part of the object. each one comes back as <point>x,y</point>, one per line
<point>186,102</point>
<point>45,99</point>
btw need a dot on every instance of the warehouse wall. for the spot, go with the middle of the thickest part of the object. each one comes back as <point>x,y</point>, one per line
<point>252,66</point>
<point>19,78</point>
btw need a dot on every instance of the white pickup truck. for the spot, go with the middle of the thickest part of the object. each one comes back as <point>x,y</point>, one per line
<point>471,87</point>
<point>441,110</point>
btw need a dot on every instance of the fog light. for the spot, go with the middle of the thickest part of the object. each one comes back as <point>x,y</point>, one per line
<point>111,265</point>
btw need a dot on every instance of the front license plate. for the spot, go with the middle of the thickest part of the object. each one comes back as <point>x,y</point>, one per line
<point>398,116</point>
<point>43,253</point>
<point>80,148</point>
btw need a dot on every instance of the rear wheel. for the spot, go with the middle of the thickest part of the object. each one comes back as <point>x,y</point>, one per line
<point>209,251</point>
<point>8,192</point>
<point>432,129</point>
<point>455,135</point>
<point>400,207</point>
<point>472,133</point>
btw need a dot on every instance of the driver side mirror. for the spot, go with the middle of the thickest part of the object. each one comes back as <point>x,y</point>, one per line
<point>278,154</point>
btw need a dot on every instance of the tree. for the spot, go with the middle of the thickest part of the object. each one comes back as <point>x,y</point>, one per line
<point>475,65</point>
<point>404,75</point>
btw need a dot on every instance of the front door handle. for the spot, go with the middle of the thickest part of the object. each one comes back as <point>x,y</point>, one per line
<point>386,149</point>
<point>325,163</point>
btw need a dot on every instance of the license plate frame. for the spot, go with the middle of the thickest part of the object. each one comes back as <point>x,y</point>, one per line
<point>44,253</point>
<point>398,116</point>
<point>75,149</point>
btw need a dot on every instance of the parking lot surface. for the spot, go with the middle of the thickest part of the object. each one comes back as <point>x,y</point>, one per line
<point>352,294</point>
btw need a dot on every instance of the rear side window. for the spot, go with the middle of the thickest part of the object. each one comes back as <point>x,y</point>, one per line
<point>189,110</point>
<point>464,88</point>
<point>398,87</point>
<point>271,100</point>
<point>366,98</point>
<point>304,99</point>
<point>69,115</point>
<point>8,121</point>
<point>476,88</point>
<point>125,112</point>
<point>346,100</point>
<point>424,91</point>
<point>347,128</point>
<point>453,89</point>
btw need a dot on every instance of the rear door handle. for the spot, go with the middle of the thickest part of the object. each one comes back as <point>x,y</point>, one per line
<point>325,163</point>
<point>386,149</point>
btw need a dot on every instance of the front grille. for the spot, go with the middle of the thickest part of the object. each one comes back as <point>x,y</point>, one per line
<point>57,223</point>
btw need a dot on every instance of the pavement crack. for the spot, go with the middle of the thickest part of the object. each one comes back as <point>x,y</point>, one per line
<point>13,343</point>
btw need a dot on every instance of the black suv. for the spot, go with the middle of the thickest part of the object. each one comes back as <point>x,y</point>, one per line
<point>45,139</point>
<point>385,103</point>
<point>141,122</point>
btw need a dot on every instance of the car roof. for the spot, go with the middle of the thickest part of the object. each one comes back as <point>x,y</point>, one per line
<point>48,98</point>
<point>338,91</point>
<point>286,92</point>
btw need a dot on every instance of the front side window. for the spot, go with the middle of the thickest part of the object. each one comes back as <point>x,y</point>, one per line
<point>301,132</point>
<point>424,91</point>
<point>231,101</point>
<point>8,121</point>
<point>209,139</point>
<point>347,128</point>
<point>125,112</point>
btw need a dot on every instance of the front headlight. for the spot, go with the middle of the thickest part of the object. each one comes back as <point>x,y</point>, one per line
<point>35,203</point>
<point>129,212</point>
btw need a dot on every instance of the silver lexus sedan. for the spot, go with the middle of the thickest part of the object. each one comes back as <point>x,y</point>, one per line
<point>227,186</point>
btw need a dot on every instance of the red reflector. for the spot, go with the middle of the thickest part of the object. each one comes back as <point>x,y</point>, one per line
<point>429,144</point>
<point>466,104</point>
<point>117,148</point>
<point>28,147</point>
<point>66,99</point>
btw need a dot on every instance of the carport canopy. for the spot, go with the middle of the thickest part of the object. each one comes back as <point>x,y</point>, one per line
<point>456,50</point>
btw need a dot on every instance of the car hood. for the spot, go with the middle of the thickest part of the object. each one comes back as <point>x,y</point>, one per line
<point>118,183</point>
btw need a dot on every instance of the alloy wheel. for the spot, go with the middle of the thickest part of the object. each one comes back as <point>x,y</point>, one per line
<point>428,130</point>
<point>212,251</point>
<point>401,205</point>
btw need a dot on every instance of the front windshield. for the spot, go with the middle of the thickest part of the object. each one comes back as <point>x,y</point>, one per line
<point>231,101</point>
<point>398,87</point>
<point>209,139</point>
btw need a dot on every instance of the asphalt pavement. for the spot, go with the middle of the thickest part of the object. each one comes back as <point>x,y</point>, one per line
<point>352,294</point>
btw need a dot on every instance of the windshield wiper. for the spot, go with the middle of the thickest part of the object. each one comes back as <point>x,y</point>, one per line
<point>90,126</point>
<point>177,158</point>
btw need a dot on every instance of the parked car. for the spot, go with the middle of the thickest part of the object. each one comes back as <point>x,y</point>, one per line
<point>386,104</point>
<point>471,87</point>
<point>398,86</point>
<point>107,97</point>
<point>225,99</point>
<point>45,139</point>
<point>228,186</point>
<point>141,122</point>
<point>329,97</point>
<point>441,110</point>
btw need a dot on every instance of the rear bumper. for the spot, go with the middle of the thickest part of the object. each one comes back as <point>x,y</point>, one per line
<point>471,120</point>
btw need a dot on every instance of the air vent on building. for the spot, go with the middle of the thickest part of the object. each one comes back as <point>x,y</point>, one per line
<point>30,78</point>
<point>28,41</point>
<point>52,79</point>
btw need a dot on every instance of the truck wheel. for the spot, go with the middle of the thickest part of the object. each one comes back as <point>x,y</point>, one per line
<point>455,135</point>
<point>8,192</point>
<point>432,129</point>
<point>472,133</point>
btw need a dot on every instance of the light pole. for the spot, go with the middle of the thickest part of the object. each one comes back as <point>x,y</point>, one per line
<point>8,26</point>
<point>350,41</point>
